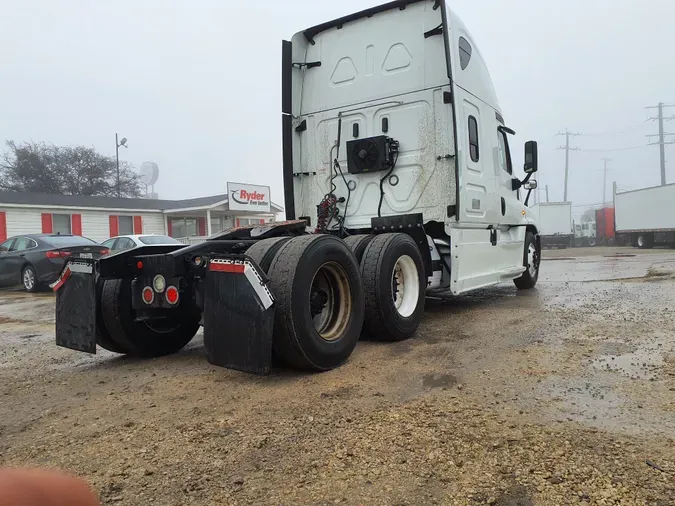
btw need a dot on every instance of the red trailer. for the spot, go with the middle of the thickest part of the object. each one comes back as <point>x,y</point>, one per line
<point>605,228</point>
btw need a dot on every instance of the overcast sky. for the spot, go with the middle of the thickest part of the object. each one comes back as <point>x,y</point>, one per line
<point>195,85</point>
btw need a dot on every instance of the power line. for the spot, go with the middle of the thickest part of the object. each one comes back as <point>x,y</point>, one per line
<point>662,136</point>
<point>613,149</point>
<point>628,129</point>
<point>567,149</point>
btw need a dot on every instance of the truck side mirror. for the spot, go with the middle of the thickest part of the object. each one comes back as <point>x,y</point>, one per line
<point>531,184</point>
<point>530,157</point>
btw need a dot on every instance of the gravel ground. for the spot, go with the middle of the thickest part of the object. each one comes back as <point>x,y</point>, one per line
<point>561,395</point>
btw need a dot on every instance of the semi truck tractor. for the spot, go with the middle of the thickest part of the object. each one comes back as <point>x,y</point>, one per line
<point>646,216</point>
<point>398,183</point>
<point>555,222</point>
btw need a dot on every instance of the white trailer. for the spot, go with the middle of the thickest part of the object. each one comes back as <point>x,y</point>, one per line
<point>647,216</point>
<point>555,223</point>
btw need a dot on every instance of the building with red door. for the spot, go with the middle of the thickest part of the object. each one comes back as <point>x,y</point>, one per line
<point>99,218</point>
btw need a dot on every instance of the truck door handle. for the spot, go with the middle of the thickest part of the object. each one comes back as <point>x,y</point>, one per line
<point>22,255</point>
<point>503,207</point>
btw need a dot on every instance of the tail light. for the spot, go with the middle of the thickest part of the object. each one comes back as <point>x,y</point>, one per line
<point>58,254</point>
<point>105,251</point>
<point>148,295</point>
<point>172,295</point>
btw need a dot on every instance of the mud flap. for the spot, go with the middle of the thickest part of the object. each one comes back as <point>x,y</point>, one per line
<point>238,315</point>
<point>76,306</point>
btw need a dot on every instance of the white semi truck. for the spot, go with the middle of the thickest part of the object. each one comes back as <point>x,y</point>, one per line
<point>647,216</point>
<point>398,182</point>
<point>555,223</point>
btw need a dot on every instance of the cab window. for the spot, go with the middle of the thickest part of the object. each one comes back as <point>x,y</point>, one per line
<point>504,155</point>
<point>474,151</point>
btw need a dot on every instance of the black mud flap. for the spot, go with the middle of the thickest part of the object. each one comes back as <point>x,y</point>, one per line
<point>238,315</point>
<point>76,306</point>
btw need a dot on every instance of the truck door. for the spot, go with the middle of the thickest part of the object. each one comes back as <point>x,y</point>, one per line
<point>478,199</point>
<point>475,261</point>
<point>511,238</point>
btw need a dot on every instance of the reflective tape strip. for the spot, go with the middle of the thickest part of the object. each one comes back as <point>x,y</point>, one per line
<point>252,276</point>
<point>261,290</point>
<point>226,267</point>
<point>62,279</point>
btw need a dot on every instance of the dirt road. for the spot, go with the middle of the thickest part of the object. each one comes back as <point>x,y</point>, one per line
<point>562,395</point>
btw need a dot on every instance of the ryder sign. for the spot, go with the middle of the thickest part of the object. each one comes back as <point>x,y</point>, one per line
<point>248,197</point>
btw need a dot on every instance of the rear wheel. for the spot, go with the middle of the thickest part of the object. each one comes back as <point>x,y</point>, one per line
<point>103,338</point>
<point>394,283</point>
<point>153,338</point>
<point>317,287</point>
<point>263,252</point>
<point>29,279</point>
<point>358,244</point>
<point>531,262</point>
<point>644,241</point>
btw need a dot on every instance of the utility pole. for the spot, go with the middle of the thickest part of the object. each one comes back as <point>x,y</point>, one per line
<point>604,181</point>
<point>567,149</point>
<point>119,143</point>
<point>547,194</point>
<point>662,136</point>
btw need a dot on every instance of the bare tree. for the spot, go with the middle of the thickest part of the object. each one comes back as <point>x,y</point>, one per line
<point>66,170</point>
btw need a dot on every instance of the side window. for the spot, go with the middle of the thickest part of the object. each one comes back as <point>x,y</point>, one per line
<point>473,139</point>
<point>109,243</point>
<point>23,243</point>
<point>124,243</point>
<point>6,246</point>
<point>464,52</point>
<point>504,153</point>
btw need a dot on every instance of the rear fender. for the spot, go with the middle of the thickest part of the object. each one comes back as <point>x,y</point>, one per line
<point>76,305</point>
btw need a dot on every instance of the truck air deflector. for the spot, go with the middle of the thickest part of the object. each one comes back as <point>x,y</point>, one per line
<point>310,33</point>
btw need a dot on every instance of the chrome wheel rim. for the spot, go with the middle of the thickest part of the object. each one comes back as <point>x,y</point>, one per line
<point>405,286</point>
<point>28,279</point>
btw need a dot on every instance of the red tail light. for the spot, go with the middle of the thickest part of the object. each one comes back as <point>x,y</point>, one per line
<point>58,254</point>
<point>148,295</point>
<point>172,295</point>
<point>105,251</point>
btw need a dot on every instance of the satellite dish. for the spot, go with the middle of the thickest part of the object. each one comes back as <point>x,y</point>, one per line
<point>149,173</point>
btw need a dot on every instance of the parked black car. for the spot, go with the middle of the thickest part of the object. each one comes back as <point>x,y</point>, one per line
<point>36,260</point>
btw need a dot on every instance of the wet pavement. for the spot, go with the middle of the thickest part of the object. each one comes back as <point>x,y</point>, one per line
<point>582,367</point>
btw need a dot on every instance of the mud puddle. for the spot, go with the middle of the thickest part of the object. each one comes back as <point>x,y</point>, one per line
<point>643,363</point>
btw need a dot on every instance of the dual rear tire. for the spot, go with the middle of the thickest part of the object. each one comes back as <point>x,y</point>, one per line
<point>327,292</point>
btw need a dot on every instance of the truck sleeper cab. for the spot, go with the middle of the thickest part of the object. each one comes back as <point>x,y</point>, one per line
<point>398,182</point>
